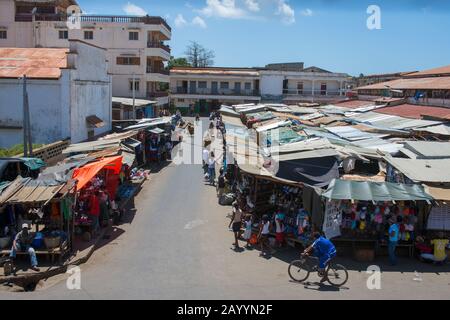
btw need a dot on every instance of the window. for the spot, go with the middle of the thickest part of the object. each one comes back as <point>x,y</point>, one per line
<point>202,85</point>
<point>248,86</point>
<point>134,61</point>
<point>224,85</point>
<point>180,100</point>
<point>89,35</point>
<point>64,34</point>
<point>133,35</point>
<point>3,34</point>
<point>300,87</point>
<point>136,85</point>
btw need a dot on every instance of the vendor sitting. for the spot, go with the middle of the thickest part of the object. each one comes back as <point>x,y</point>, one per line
<point>439,255</point>
<point>22,242</point>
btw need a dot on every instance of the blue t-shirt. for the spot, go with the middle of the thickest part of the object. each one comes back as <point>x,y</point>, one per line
<point>394,228</point>
<point>324,246</point>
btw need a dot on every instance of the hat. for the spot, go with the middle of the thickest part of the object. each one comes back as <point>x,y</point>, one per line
<point>25,226</point>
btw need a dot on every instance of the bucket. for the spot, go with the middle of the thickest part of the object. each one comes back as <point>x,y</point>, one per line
<point>4,242</point>
<point>38,241</point>
<point>52,242</point>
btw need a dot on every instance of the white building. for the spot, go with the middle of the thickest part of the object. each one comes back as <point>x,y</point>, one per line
<point>69,93</point>
<point>135,45</point>
<point>207,88</point>
<point>203,89</point>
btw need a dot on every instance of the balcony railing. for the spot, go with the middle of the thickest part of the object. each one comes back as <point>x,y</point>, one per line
<point>309,93</point>
<point>216,92</point>
<point>27,17</point>
<point>158,70</point>
<point>158,44</point>
<point>160,94</point>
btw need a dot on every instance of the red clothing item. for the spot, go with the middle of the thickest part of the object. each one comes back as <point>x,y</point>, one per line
<point>94,205</point>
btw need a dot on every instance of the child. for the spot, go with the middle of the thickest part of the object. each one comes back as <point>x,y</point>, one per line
<point>248,230</point>
<point>279,236</point>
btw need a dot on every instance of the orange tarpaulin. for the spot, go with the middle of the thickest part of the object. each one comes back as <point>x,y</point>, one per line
<point>85,174</point>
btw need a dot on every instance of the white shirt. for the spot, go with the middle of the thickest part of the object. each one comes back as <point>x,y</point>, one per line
<point>211,163</point>
<point>265,229</point>
<point>205,155</point>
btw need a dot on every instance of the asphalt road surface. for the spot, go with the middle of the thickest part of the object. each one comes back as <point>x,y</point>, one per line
<point>176,245</point>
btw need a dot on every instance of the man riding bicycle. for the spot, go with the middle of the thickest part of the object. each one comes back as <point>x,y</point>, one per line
<point>323,249</point>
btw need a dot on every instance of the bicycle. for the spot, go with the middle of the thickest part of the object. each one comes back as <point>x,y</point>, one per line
<point>335,274</point>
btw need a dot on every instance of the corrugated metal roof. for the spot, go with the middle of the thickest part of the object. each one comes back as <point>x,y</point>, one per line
<point>374,191</point>
<point>430,72</point>
<point>415,111</point>
<point>393,122</point>
<point>438,83</point>
<point>441,129</point>
<point>35,63</point>
<point>129,101</point>
<point>429,149</point>
<point>434,170</point>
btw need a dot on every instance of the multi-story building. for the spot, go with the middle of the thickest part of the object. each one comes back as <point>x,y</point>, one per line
<point>430,87</point>
<point>136,48</point>
<point>202,89</point>
<point>69,93</point>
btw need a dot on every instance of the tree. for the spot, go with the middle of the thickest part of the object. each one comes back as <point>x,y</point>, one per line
<point>178,62</point>
<point>198,56</point>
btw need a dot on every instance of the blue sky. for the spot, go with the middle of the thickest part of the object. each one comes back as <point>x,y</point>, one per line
<point>331,34</point>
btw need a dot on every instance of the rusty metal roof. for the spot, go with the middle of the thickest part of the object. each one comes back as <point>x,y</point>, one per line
<point>35,63</point>
<point>445,70</point>
<point>416,111</point>
<point>436,83</point>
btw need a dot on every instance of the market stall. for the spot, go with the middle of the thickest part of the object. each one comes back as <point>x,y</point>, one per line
<point>45,205</point>
<point>356,214</point>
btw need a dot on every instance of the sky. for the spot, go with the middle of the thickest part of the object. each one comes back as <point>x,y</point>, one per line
<point>406,35</point>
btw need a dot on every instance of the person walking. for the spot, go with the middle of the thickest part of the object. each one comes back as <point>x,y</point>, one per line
<point>393,240</point>
<point>212,169</point>
<point>205,158</point>
<point>263,236</point>
<point>237,224</point>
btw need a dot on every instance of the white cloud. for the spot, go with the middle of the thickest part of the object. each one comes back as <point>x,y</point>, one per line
<point>306,12</point>
<point>252,5</point>
<point>223,9</point>
<point>286,12</point>
<point>180,21</point>
<point>199,22</point>
<point>133,10</point>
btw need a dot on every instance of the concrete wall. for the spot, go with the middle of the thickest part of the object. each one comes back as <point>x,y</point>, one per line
<point>49,107</point>
<point>90,90</point>
<point>112,36</point>
<point>58,108</point>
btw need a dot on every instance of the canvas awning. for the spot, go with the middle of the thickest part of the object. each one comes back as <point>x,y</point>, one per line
<point>438,193</point>
<point>95,122</point>
<point>85,174</point>
<point>374,191</point>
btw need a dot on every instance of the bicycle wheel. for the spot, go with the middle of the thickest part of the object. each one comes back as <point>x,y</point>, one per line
<point>337,275</point>
<point>297,271</point>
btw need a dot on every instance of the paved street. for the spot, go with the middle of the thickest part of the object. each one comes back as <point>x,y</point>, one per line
<point>177,246</point>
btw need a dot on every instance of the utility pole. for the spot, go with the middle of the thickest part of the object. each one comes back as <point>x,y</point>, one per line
<point>134,97</point>
<point>24,122</point>
<point>27,139</point>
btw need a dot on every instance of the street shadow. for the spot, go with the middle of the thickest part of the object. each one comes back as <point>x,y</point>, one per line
<point>405,265</point>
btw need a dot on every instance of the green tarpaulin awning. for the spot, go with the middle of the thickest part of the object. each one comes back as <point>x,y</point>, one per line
<point>374,191</point>
<point>33,163</point>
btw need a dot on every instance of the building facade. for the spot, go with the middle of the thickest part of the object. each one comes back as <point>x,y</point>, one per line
<point>136,48</point>
<point>203,89</point>
<point>69,93</point>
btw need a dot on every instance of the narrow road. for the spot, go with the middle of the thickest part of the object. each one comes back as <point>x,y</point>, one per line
<point>177,246</point>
